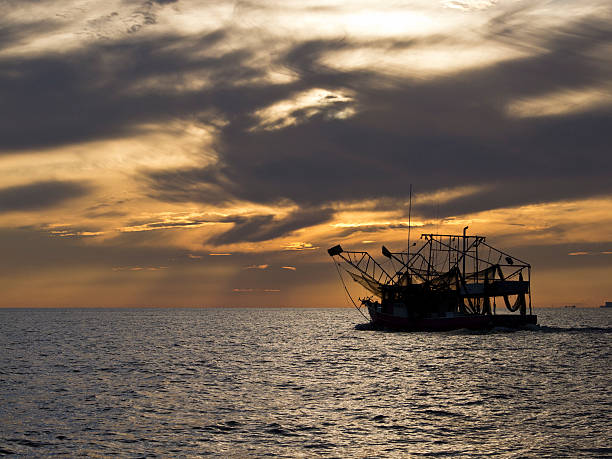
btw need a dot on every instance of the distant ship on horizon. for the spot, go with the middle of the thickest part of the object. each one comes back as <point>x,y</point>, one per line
<point>607,304</point>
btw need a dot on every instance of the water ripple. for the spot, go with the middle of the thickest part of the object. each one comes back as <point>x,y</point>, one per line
<point>299,383</point>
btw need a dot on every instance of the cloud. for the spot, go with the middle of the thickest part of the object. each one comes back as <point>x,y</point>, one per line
<point>299,246</point>
<point>107,90</point>
<point>72,233</point>
<point>303,106</point>
<point>162,225</point>
<point>284,141</point>
<point>15,34</point>
<point>528,190</point>
<point>246,227</point>
<point>40,195</point>
<point>257,267</point>
<point>563,102</point>
<point>433,132</point>
<point>265,227</point>
<point>139,268</point>
<point>256,290</point>
<point>290,268</point>
<point>468,5</point>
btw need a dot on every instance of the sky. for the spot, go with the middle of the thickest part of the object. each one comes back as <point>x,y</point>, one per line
<point>188,153</point>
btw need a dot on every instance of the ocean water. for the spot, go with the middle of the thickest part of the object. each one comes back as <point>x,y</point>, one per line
<point>299,383</point>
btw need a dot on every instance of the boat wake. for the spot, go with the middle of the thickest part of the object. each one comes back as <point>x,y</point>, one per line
<point>369,326</point>
<point>547,329</point>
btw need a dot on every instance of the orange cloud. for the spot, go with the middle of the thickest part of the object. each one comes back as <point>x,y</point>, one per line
<point>139,268</point>
<point>299,246</point>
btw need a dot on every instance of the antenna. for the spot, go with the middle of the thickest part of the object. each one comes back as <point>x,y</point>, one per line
<point>409,215</point>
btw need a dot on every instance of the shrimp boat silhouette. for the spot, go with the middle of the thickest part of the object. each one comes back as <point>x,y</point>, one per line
<point>450,282</point>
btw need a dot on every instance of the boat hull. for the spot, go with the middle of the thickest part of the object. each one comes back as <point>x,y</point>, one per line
<point>472,322</point>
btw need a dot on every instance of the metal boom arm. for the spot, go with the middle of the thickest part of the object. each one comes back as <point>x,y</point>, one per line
<point>363,263</point>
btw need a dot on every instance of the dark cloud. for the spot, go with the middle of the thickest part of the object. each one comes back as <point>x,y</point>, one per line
<point>39,195</point>
<point>557,256</point>
<point>265,227</point>
<point>97,92</point>
<point>520,192</point>
<point>436,133</point>
<point>250,228</point>
<point>178,223</point>
<point>15,34</point>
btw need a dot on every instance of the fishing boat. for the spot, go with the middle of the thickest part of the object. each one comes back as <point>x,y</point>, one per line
<point>449,282</point>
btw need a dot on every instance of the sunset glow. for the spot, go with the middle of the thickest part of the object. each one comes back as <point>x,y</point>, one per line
<point>175,153</point>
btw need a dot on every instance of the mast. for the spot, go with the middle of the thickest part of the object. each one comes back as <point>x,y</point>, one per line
<point>409,224</point>
<point>464,250</point>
